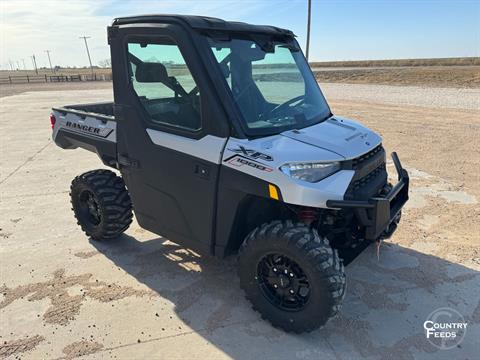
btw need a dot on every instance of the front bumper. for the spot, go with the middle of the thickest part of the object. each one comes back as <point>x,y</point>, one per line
<point>379,215</point>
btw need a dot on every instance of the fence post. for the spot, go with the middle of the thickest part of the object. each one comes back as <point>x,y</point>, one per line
<point>28,79</point>
<point>46,78</point>
<point>9,79</point>
<point>95,76</point>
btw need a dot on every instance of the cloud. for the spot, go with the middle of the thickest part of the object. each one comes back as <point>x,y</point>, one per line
<point>31,27</point>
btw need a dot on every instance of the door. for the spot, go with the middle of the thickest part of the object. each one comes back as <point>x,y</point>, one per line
<point>171,133</point>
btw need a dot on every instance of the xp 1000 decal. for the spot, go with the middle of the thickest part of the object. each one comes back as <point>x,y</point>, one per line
<point>252,154</point>
<point>238,160</point>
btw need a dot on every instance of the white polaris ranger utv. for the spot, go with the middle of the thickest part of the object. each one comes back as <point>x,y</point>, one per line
<point>226,145</point>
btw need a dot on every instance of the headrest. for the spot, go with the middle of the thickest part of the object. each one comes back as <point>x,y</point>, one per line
<point>149,72</point>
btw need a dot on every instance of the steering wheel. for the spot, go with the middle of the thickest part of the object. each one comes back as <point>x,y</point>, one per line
<point>287,103</point>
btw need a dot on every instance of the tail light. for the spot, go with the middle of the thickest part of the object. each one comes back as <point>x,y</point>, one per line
<point>52,120</point>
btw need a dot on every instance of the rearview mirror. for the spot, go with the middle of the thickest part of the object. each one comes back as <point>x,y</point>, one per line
<point>246,53</point>
<point>252,54</point>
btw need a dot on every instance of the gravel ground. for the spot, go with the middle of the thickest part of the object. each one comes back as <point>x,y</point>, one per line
<point>454,98</point>
<point>444,98</point>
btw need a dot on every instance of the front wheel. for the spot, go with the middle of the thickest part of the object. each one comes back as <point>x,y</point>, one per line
<point>291,276</point>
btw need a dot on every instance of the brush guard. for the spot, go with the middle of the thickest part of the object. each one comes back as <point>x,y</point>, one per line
<point>379,215</point>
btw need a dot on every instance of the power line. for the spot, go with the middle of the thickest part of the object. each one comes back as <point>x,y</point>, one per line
<point>88,52</point>
<point>49,61</point>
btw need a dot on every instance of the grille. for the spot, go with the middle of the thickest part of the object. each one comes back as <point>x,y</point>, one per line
<point>356,185</point>
<point>368,185</point>
<point>357,163</point>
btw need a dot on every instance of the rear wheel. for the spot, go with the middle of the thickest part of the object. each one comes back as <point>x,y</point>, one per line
<point>101,204</point>
<point>291,275</point>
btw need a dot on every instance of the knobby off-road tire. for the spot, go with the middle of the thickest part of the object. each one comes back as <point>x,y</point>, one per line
<point>101,204</point>
<point>308,256</point>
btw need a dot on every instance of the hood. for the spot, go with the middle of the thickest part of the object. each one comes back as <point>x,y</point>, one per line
<point>344,137</point>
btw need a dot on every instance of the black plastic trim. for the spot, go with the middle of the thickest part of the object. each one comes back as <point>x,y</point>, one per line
<point>105,149</point>
<point>236,192</point>
<point>204,23</point>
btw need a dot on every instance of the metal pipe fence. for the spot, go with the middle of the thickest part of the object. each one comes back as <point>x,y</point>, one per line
<point>26,79</point>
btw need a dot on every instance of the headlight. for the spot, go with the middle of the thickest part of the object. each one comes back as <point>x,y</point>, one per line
<point>311,172</point>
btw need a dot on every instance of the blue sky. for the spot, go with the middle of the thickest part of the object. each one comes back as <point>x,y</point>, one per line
<point>341,29</point>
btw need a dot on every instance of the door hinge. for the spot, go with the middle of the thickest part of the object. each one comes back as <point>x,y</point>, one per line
<point>125,161</point>
<point>111,33</point>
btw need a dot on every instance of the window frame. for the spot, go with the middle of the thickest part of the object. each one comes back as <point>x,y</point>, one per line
<point>248,132</point>
<point>153,124</point>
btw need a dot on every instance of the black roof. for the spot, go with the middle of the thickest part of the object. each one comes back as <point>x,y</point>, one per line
<point>203,23</point>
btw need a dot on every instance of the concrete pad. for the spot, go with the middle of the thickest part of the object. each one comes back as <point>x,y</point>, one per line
<point>142,296</point>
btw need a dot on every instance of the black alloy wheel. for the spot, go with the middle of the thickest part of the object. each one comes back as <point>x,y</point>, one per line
<point>283,282</point>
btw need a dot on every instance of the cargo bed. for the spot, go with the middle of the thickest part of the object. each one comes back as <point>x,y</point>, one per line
<point>101,109</point>
<point>88,126</point>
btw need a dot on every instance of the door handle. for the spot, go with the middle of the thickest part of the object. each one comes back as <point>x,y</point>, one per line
<point>125,161</point>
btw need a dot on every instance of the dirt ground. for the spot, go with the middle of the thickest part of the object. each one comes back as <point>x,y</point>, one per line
<point>430,76</point>
<point>141,296</point>
<point>14,89</point>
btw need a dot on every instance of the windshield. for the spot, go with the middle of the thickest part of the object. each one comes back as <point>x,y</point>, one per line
<point>271,84</point>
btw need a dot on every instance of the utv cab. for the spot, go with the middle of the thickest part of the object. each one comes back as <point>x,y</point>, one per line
<point>224,143</point>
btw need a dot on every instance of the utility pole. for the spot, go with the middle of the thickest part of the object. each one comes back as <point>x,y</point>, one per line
<point>308,27</point>
<point>34,64</point>
<point>49,61</point>
<point>88,52</point>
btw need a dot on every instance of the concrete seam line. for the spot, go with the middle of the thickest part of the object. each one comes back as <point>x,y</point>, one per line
<point>156,339</point>
<point>34,195</point>
<point>25,162</point>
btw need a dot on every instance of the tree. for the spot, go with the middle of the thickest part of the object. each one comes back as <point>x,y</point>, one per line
<point>105,63</point>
